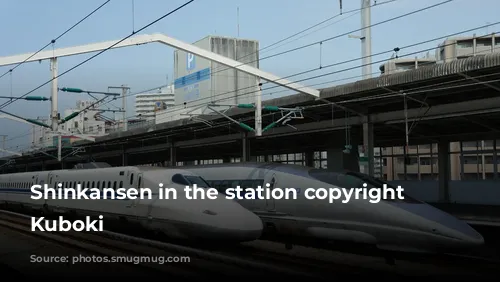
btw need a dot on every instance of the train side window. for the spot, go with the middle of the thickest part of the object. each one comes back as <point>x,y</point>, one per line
<point>132,179</point>
<point>225,184</point>
<point>179,179</point>
<point>109,184</point>
<point>114,186</point>
<point>216,184</point>
<point>98,185</point>
<point>121,184</point>
<point>139,183</point>
<point>103,184</point>
<point>93,184</point>
<point>235,183</point>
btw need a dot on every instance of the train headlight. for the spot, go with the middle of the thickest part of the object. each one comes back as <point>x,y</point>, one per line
<point>209,212</point>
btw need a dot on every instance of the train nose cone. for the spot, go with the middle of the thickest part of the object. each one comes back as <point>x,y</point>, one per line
<point>234,221</point>
<point>453,227</point>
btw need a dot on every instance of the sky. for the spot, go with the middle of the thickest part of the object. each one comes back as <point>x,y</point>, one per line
<point>28,25</point>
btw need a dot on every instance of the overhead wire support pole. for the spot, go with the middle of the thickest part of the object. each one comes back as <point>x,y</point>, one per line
<point>54,106</point>
<point>406,158</point>
<point>258,110</point>
<point>54,114</point>
<point>366,38</point>
<point>124,89</point>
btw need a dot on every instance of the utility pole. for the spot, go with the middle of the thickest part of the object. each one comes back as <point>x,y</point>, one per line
<point>258,109</point>
<point>366,53</point>
<point>54,112</point>
<point>124,89</point>
<point>366,38</point>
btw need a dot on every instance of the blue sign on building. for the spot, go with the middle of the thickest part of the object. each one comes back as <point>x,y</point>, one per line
<point>190,83</point>
<point>190,61</point>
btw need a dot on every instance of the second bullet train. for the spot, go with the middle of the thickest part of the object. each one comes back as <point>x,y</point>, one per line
<point>180,218</point>
<point>394,225</point>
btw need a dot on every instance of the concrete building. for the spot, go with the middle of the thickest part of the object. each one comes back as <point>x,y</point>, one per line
<point>395,65</point>
<point>147,104</point>
<point>199,81</point>
<point>464,47</point>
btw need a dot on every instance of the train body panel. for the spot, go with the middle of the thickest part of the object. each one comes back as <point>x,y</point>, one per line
<point>407,225</point>
<point>180,217</point>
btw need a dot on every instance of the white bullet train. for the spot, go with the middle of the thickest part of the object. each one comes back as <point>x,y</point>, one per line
<point>219,219</point>
<point>391,225</point>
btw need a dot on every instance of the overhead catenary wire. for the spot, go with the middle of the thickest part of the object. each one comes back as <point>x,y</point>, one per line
<point>414,90</point>
<point>348,61</point>
<point>410,91</point>
<point>260,51</point>
<point>281,53</point>
<point>339,71</point>
<point>104,50</point>
<point>340,35</point>
<point>351,60</point>
<point>322,75</point>
<point>54,41</point>
<point>418,44</point>
<point>225,123</point>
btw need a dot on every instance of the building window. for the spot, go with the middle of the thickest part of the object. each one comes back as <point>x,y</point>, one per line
<point>464,44</point>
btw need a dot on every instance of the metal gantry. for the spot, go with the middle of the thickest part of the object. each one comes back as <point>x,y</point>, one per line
<point>52,55</point>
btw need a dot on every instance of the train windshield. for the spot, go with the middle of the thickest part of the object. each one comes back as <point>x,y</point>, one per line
<point>190,180</point>
<point>200,182</point>
<point>355,180</point>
